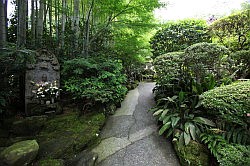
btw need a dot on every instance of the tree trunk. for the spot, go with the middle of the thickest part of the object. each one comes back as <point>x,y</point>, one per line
<point>87,31</point>
<point>21,27</point>
<point>3,23</point>
<point>56,21</point>
<point>45,15</point>
<point>76,23</point>
<point>40,23</point>
<point>50,19</point>
<point>63,21</point>
<point>33,23</point>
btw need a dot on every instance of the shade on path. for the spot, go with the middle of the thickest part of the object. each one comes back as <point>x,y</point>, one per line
<point>130,136</point>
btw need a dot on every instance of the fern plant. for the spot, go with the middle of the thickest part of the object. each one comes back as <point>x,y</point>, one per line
<point>234,133</point>
<point>213,140</point>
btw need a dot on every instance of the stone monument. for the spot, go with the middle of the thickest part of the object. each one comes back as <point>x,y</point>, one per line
<point>40,79</point>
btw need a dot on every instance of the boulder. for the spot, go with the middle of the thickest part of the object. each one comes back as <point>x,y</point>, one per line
<point>20,153</point>
<point>193,154</point>
<point>28,126</point>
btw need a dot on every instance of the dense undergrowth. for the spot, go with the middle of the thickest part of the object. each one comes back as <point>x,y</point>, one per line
<point>201,104</point>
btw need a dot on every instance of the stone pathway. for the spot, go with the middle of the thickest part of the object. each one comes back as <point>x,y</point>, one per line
<point>130,136</point>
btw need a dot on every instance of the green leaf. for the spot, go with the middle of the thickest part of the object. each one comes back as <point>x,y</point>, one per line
<point>167,119</point>
<point>170,132</point>
<point>164,113</point>
<point>204,121</point>
<point>164,128</point>
<point>158,112</point>
<point>181,96</point>
<point>174,121</point>
<point>170,99</point>
<point>181,139</point>
<point>153,109</point>
<point>187,138</point>
<point>192,131</point>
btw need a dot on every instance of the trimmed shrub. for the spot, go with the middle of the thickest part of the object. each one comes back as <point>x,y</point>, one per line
<point>177,36</point>
<point>233,155</point>
<point>231,102</point>
<point>204,58</point>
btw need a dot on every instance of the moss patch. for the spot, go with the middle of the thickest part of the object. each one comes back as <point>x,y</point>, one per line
<point>66,135</point>
<point>50,162</point>
<point>194,154</point>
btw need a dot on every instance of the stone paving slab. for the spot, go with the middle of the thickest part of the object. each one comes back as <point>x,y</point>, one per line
<point>130,136</point>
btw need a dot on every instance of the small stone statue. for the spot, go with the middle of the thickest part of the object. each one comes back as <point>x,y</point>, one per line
<point>44,78</point>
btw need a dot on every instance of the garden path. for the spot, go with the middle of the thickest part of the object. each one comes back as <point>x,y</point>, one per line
<point>130,136</point>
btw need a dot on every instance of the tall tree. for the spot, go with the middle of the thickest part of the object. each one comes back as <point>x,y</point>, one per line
<point>40,21</point>
<point>33,22</point>
<point>22,23</point>
<point>76,22</point>
<point>63,21</point>
<point>3,16</point>
<point>87,30</point>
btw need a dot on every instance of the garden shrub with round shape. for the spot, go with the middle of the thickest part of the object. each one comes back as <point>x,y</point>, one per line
<point>231,102</point>
<point>207,58</point>
<point>168,69</point>
<point>176,36</point>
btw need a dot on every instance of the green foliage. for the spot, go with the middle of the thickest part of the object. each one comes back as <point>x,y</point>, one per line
<point>12,67</point>
<point>168,69</point>
<point>201,67</point>
<point>231,102</point>
<point>213,140</point>
<point>180,117</point>
<point>233,31</point>
<point>176,36</point>
<point>233,155</point>
<point>242,63</point>
<point>185,76</point>
<point>94,80</point>
<point>204,58</point>
<point>225,153</point>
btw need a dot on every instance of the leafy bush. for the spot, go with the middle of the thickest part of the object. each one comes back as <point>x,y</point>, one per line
<point>231,102</point>
<point>181,118</point>
<point>182,77</point>
<point>201,67</point>
<point>177,36</point>
<point>232,31</point>
<point>205,58</point>
<point>12,70</point>
<point>168,69</point>
<point>94,80</point>
<point>242,63</point>
<point>233,155</point>
<point>226,154</point>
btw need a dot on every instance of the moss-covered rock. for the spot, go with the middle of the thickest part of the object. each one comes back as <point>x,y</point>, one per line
<point>21,153</point>
<point>28,126</point>
<point>193,154</point>
<point>50,162</point>
<point>67,135</point>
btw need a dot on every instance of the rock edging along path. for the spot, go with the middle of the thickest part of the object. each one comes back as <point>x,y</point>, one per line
<point>130,136</point>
